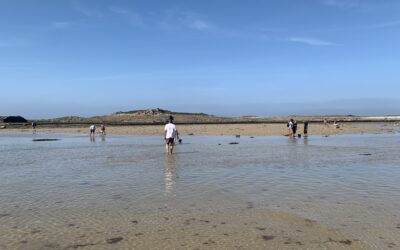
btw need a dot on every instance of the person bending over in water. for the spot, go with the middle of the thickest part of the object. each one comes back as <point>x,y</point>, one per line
<point>170,132</point>
<point>92,130</point>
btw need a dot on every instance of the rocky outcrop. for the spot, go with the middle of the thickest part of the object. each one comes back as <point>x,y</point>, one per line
<point>156,111</point>
<point>13,119</point>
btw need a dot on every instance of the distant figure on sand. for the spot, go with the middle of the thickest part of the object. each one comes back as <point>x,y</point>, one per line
<point>294,128</point>
<point>103,129</point>
<point>336,124</point>
<point>290,127</point>
<point>305,128</point>
<point>92,130</point>
<point>170,132</point>
<point>34,127</point>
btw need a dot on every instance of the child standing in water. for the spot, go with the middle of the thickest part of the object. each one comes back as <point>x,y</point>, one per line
<point>103,129</point>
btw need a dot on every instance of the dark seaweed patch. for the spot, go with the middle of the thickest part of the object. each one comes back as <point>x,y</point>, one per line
<point>76,246</point>
<point>346,242</point>
<point>209,242</point>
<point>268,237</point>
<point>114,240</point>
<point>39,140</point>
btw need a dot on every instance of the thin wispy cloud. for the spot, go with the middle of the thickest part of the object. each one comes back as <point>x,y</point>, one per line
<point>61,25</point>
<point>195,21</point>
<point>199,25</point>
<point>347,4</point>
<point>310,41</point>
<point>88,12</point>
<point>132,17</point>
<point>366,27</point>
<point>177,20</point>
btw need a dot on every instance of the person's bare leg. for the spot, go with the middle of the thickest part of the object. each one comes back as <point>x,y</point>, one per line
<point>171,148</point>
<point>167,148</point>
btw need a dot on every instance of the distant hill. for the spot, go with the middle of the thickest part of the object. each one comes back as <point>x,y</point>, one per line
<point>160,116</point>
<point>145,116</point>
<point>156,111</point>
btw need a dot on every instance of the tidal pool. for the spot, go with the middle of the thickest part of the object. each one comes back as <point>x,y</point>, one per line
<point>123,192</point>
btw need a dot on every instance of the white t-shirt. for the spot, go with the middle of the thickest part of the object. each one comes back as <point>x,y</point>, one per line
<point>290,124</point>
<point>171,130</point>
<point>93,127</point>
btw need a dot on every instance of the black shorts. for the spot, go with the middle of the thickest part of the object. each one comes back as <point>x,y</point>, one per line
<point>170,140</point>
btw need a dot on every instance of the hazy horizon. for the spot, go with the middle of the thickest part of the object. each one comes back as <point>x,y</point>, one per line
<point>87,58</point>
<point>362,107</point>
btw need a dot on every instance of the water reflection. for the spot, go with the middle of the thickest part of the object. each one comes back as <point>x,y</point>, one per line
<point>93,138</point>
<point>292,140</point>
<point>103,137</point>
<point>170,172</point>
<point>305,141</point>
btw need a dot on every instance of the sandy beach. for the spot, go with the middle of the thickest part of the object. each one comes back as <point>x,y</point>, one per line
<point>226,129</point>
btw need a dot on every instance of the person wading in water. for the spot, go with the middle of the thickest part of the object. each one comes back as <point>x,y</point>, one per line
<point>170,132</point>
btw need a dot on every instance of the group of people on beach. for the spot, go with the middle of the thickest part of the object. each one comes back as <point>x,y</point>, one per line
<point>292,128</point>
<point>335,123</point>
<point>170,134</point>
<point>92,129</point>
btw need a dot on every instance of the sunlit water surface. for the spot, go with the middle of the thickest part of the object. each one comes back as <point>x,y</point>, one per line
<point>80,193</point>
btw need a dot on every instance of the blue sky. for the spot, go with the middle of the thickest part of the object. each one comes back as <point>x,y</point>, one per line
<point>226,57</point>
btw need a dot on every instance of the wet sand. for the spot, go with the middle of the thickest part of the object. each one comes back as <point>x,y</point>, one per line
<point>165,228</point>
<point>229,129</point>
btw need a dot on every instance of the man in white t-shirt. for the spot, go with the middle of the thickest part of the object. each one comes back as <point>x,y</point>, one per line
<point>170,132</point>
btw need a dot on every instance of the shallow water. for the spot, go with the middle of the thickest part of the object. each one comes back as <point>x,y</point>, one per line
<point>123,192</point>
